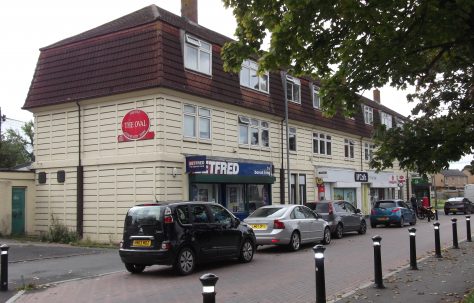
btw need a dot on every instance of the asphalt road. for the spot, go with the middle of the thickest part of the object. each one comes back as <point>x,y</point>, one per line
<point>275,275</point>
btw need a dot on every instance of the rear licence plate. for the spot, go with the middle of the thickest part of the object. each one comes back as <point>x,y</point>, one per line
<point>141,243</point>
<point>383,219</point>
<point>259,226</point>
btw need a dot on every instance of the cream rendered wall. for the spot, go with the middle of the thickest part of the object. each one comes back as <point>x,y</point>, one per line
<point>8,180</point>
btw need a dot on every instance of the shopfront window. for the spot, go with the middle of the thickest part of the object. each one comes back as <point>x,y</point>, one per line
<point>348,194</point>
<point>235,197</point>
<point>258,196</point>
<point>205,192</point>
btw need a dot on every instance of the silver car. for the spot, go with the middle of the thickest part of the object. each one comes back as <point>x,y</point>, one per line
<point>289,225</point>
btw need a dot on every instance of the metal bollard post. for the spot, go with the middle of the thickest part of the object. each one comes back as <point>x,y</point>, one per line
<point>319,264</point>
<point>468,228</point>
<point>4,263</point>
<point>377,262</point>
<point>412,233</point>
<point>437,240</point>
<point>455,232</point>
<point>208,287</point>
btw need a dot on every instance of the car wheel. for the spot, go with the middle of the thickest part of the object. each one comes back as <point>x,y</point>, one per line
<point>295,241</point>
<point>339,231</point>
<point>246,251</point>
<point>327,236</point>
<point>363,227</point>
<point>373,225</point>
<point>402,222</point>
<point>134,268</point>
<point>185,261</point>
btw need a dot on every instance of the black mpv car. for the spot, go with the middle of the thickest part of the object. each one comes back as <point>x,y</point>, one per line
<point>183,234</point>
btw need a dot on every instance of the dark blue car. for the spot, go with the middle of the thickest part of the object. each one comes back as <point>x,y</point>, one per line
<point>386,212</point>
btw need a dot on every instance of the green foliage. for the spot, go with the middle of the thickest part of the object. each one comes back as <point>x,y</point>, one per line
<point>59,233</point>
<point>16,149</point>
<point>352,46</point>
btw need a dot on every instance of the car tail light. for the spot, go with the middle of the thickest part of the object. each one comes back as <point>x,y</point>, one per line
<point>166,246</point>
<point>372,212</point>
<point>331,209</point>
<point>168,216</point>
<point>395,210</point>
<point>277,224</point>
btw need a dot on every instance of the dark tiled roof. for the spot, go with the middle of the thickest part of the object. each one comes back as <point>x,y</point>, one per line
<point>452,173</point>
<point>142,50</point>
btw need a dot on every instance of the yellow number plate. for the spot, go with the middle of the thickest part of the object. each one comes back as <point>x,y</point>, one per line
<point>141,243</point>
<point>259,226</point>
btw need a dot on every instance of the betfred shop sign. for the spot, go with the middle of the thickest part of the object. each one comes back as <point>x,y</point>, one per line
<point>135,126</point>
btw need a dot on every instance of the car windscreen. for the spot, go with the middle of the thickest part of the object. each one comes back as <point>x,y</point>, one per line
<point>385,204</point>
<point>143,215</point>
<point>322,207</point>
<point>268,212</point>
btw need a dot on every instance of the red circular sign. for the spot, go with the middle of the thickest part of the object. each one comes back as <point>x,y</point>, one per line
<point>135,124</point>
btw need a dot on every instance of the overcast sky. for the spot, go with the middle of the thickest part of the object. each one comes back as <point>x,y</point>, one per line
<point>26,26</point>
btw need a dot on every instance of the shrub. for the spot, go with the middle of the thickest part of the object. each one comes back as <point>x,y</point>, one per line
<point>59,233</point>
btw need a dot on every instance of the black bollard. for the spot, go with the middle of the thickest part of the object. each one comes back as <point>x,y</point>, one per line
<point>377,262</point>
<point>319,264</point>
<point>412,233</point>
<point>4,263</point>
<point>468,228</point>
<point>437,240</point>
<point>455,232</point>
<point>208,287</point>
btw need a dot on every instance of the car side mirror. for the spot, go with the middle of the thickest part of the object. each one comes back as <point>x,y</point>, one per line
<point>357,211</point>
<point>236,222</point>
<point>318,216</point>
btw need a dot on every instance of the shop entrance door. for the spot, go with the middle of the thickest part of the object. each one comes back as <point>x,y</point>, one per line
<point>18,210</point>
<point>235,198</point>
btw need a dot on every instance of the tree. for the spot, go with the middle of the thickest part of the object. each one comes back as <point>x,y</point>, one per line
<point>353,46</point>
<point>16,149</point>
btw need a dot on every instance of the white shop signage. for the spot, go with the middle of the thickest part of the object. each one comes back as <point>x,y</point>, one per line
<point>340,175</point>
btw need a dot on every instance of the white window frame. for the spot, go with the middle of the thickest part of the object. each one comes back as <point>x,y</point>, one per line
<point>293,83</point>
<point>292,133</point>
<point>399,122</point>
<point>259,125</point>
<point>386,119</point>
<point>198,116</point>
<point>368,151</point>
<point>349,149</point>
<point>368,115</point>
<point>198,45</point>
<point>315,96</point>
<point>322,139</point>
<point>252,68</point>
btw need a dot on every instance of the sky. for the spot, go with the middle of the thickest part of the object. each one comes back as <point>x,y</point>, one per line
<point>26,26</point>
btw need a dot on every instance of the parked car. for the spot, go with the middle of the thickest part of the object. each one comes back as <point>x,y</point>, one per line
<point>289,225</point>
<point>388,212</point>
<point>341,215</point>
<point>457,205</point>
<point>183,234</point>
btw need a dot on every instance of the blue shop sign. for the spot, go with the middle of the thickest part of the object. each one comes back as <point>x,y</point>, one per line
<point>196,164</point>
<point>230,168</point>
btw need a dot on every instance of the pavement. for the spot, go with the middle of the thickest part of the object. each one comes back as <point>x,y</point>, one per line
<point>445,279</point>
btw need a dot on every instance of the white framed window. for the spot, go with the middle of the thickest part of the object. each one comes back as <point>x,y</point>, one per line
<point>197,55</point>
<point>316,96</point>
<point>386,119</point>
<point>399,122</point>
<point>196,122</point>
<point>293,89</point>
<point>349,148</point>
<point>292,138</point>
<point>322,144</point>
<point>249,77</point>
<point>368,115</point>
<point>253,132</point>
<point>368,151</point>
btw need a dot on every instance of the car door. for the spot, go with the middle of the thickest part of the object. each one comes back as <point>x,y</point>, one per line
<point>229,236</point>
<point>341,213</point>
<point>352,216</point>
<point>317,226</point>
<point>406,211</point>
<point>205,232</point>
<point>303,224</point>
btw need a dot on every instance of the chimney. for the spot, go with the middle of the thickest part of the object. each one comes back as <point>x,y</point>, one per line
<point>189,10</point>
<point>376,95</point>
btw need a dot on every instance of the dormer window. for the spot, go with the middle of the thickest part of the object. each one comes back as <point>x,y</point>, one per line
<point>293,89</point>
<point>197,55</point>
<point>316,96</point>
<point>249,77</point>
<point>368,115</point>
<point>386,119</point>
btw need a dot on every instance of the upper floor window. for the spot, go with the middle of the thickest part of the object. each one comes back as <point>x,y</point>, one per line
<point>197,55</point>
<point>197,122</point>
<point>322,144</point>
<point>386,119</point>
<point>249,77</point>
<point>399,122</point>
<point>292,138</point>
<point>368,115</point>
<point>253,132</point>
<point>293,89</point>
<point>349,148</point>
<point>368,151</point>
<point>316,96</point>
